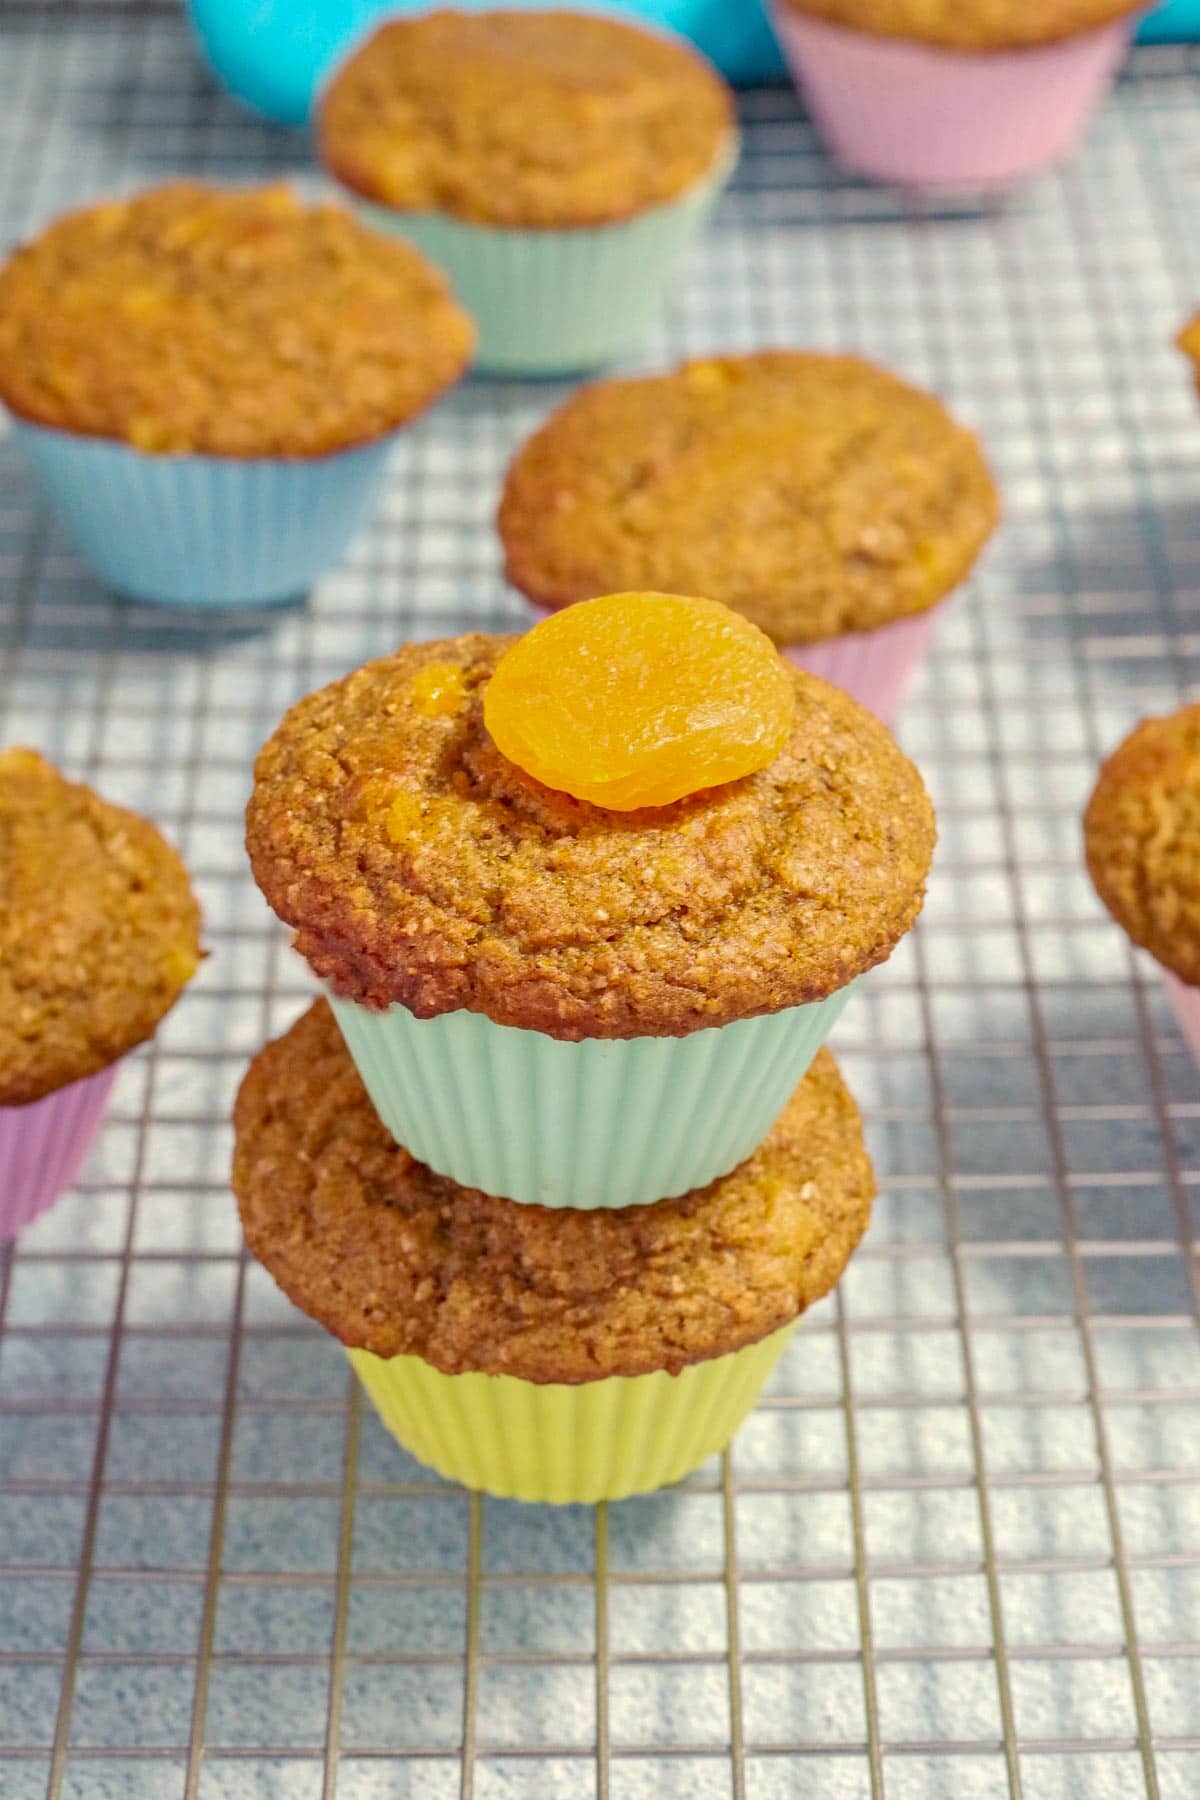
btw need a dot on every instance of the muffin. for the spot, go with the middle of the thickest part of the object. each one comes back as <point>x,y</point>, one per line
<point>573,1003</point>
<point>556,165</point>
<point>543,1354</point>
<point>99,933</point>
<point>208,382</point>
<point>1142,841</point>
<point>824,499</point>
<point>953,93</point>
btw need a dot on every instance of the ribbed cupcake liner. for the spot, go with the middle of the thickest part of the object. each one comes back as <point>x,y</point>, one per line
<point>875,667</point>
<point>43,1145</point>
<point>605,1122</point>
<point>204,530</point>
<point>553,302</point>
<point>905,112</point>
<point>603,1440</point>
<point>1186,1001</point>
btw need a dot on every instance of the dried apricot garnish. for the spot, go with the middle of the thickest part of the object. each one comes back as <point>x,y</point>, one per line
<point>440,690</point>
<point>640,699</point>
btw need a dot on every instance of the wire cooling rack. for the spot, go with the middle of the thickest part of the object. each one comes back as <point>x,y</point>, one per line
<point>956,1553</point>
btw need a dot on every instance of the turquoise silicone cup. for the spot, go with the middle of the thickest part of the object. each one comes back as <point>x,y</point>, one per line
<point>552,302</point>
<point>606,1122</point>
<point>204,530</point>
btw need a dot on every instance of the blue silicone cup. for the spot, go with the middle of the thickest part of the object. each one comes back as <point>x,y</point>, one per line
<point>204,530</point>
<point>275,54</point>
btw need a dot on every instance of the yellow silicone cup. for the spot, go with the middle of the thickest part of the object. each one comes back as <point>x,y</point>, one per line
<point>602,1440</point>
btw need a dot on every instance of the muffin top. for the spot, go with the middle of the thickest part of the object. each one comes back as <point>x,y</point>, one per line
<point>969,24</point>
<point>523,118</point>
<point>1142,838</point>
<point>394,1259</point>
<point>99,930</point>
<point>815,494</point>
<point>419,865</point>
<point>223,323</point>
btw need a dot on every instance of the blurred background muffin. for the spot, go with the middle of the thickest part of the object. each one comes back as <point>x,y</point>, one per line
<point>207,382</point>
<point>1142,839</point>
<point>830,503</point>
<point>99,934</point>
<point>556,165</point>
<point>542,1353</point>
<point>974,93</point>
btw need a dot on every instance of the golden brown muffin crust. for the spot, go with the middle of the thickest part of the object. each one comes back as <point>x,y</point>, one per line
<point>419,865</point>
<point>225,323</point>
<point>1142,839</point>
<point>394,1259</point>
<point>969,24</point>
<point>99,930</point>
<point>525,119</point>
<point>815,494</point>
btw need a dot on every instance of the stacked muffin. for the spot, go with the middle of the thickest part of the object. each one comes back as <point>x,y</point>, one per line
<point>586,904</point>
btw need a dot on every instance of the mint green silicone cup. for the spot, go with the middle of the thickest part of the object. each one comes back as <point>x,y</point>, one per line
<point>605,1122</point>
<point>550,302</point>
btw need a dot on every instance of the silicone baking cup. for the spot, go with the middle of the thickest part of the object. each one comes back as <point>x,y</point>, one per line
<point>42,1147</point>
<point>603,1440</point>
<point>875,667</point>
<point>605,1122</point>
<point>903,112</point>
<point>553,302</point>
<point>1186,1001</point>
<point>204,530</point>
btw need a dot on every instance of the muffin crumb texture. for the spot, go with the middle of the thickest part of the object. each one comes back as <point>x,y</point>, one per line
<point>815,494</point>
<point>394,1259</point>
<point>1142,837</point>
<point>99,930</point>
<point>534,119</point>
<point>224,323</point>
<point>420,866</point>
<point>969,24</point>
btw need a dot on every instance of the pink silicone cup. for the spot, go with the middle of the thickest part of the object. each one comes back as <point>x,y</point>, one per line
<point>903,112</point>
<point>1186,1001</point>
<point>873,667</point>
<point>43,1145</point>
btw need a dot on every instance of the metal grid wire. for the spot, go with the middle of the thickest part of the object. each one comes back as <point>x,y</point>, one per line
<point>956,1552</point>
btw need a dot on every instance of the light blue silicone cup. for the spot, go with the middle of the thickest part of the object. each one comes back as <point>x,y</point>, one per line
<point>557,302</point>
<point>602,1123</point>
<point>204,530</point>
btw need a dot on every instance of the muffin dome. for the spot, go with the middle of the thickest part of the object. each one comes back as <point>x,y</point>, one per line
<point>99,930</point>
<point>419,865</point>
<point>815,494</point>
<point>536,119</point>
<point>968,24</point>
<point>1142,838</point>
<point>235,324</point>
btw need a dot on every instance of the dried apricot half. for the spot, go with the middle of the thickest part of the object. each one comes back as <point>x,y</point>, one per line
<point>640,699</point>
